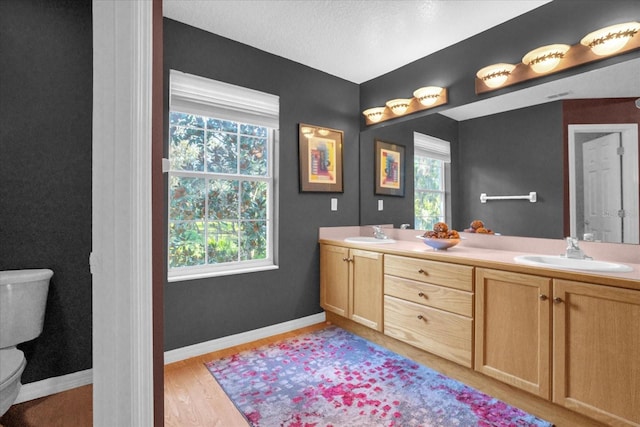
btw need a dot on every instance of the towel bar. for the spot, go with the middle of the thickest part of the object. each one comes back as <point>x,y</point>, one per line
<point>532,197</point>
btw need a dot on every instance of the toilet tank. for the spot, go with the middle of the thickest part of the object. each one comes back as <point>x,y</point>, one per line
<point>23,299</point>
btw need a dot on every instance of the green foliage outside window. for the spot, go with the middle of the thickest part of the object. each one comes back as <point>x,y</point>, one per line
<point>218,191</point>
<point>428,192</point>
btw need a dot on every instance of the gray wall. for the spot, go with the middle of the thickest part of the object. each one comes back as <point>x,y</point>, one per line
<point>201,310</point>
<point>45,169</point>
<point>513,153</point>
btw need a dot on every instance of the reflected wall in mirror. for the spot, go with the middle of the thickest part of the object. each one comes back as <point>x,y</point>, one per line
<point>603,182</point>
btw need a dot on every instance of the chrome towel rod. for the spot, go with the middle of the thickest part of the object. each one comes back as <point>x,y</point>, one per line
<point>532,197</point>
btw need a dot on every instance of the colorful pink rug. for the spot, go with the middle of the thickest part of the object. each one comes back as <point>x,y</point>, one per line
<point>334,378</point>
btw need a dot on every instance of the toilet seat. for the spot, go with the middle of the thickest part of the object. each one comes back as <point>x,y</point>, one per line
<point>12,363</point>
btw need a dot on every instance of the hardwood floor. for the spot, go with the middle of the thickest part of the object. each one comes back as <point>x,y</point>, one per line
<point>194,399</point>
<point>72,408</point>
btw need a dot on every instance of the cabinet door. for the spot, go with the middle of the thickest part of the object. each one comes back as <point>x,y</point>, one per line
<point>366,297</point>
<point>334,279</point>
<point>596,353</point>
<point>513,320</point>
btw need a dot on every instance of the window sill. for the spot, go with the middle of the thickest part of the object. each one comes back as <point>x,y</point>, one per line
<point>204,275</point>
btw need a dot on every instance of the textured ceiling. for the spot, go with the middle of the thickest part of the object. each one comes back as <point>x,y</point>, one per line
<point>356,40</point>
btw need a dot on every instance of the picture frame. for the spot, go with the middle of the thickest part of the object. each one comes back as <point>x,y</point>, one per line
<point>389,168</point>
<point>320,158</point>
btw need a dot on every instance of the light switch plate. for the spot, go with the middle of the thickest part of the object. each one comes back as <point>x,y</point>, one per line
<point>380,205</point>
<point>334,204</point>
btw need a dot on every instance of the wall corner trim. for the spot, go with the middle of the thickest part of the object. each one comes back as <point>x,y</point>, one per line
<point>187,352</point>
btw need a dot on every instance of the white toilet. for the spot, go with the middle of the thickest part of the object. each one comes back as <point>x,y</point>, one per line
<point>23,298</point>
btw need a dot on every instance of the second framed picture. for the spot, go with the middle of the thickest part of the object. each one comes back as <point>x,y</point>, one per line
<point>389,168</point>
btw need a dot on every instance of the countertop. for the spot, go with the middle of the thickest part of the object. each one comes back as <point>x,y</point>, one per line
<point>498,252</point>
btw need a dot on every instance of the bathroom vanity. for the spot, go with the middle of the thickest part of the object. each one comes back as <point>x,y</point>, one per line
<point>570,337</point>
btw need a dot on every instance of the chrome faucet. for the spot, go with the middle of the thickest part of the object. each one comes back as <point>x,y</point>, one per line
<point>378,233</point>
<point>404,226</point>
<point>573,250</point>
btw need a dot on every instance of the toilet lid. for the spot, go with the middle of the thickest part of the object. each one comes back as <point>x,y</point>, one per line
<point>11,362</point>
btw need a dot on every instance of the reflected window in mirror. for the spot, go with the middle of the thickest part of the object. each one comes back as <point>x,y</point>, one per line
<point>432,181</point>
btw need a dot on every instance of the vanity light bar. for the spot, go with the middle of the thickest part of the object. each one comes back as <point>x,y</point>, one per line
<point>597,45</point>
<point>423,99</point>
<point>544,60</point>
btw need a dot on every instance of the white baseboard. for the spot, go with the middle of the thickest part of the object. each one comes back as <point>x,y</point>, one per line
<point>54,385</point>
<point>49,386</point>
<point>183,353</point>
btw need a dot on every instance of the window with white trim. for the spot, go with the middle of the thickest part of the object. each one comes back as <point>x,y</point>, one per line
<point>431,160</point>
<point>222,178</point>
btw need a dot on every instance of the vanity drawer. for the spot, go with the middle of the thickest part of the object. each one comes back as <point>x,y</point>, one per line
<point>445,334</point>
<point>434,272</point>
<point>453,300</point>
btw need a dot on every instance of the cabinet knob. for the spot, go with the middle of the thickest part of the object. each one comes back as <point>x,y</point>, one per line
<point>557,300</point>
<point>543,297</point>
<point>421,294</point>
<point>421,271</point>
<point>421,317</point>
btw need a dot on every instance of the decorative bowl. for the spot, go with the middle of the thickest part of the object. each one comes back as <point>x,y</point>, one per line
<point>439,244</point>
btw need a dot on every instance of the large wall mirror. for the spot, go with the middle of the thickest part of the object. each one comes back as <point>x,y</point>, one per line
<point>518,142</point>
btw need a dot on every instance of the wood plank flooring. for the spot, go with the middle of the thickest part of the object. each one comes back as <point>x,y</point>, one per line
<point>72,408</point>
<point>194,399</point>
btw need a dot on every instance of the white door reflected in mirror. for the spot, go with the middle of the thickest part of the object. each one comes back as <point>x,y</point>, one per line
<point>603,182</point>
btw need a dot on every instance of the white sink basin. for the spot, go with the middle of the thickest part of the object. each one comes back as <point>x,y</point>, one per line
<point>366,239</point>
<point>572,264</point>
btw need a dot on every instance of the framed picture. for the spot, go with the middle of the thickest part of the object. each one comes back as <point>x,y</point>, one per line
<point>320,152</point>
<point>389,168</point>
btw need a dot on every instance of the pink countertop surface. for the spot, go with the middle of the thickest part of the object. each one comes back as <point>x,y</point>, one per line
<point>499,252</point>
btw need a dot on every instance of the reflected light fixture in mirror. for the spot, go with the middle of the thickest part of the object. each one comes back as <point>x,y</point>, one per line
<point>307,131</point>
<point>545,58</point>
<point>427,95</point>
<point>608,40</point>
<point>495,75</point>
<point>399,106</point>
<point>374,114</point>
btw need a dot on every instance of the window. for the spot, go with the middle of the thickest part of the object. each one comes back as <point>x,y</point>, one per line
<point>431,180</point>
<point>222,187</point>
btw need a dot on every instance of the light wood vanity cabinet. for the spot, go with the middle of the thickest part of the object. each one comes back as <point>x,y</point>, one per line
<point>351,284</point>
<point>574,343</point>
<point>577,344</point>
<point>429,305</point>
<point>513,326</point>
<point>596,352</point>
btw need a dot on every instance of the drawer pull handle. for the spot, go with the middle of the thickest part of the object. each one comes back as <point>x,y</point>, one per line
<point>421,317</point>
<point>543,297</point>
<point>557,300</point>
<point>421,271</point>
<point>421,295</point>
